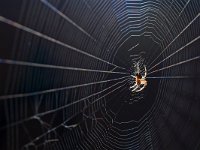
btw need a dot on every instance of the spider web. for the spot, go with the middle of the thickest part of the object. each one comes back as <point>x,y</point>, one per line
<point>65,71</point>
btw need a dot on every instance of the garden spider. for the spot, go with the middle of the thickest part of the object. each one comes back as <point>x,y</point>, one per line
<point>139,80</point>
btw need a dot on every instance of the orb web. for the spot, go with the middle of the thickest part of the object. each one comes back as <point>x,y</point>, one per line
<point>65,74</point>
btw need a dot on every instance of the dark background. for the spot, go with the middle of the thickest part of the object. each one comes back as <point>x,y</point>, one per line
<point>167,117</point>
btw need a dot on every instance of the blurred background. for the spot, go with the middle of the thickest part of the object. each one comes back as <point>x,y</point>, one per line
<point>65,69</point>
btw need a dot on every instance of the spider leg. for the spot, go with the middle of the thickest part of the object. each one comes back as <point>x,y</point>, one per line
<point>145,71</point>
<point>140,89</point>
<point>135,88</point>
<point>135,85</point>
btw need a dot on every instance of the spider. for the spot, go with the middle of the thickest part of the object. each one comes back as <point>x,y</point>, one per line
<point>139,80</point>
